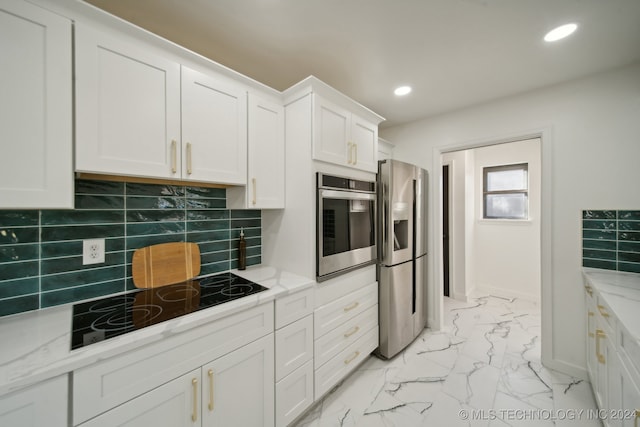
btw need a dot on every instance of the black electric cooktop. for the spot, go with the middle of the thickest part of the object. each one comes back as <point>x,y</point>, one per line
<point>98,320</point>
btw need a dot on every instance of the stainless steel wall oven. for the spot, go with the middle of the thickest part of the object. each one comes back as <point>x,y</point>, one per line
<point>346,236</point>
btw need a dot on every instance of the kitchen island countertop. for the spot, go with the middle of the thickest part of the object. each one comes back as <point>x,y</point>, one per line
<point>36,345</point>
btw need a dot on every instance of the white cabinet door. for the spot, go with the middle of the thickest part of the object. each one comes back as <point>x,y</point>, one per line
<point>35,108</point>
<point>266,154</point>
<point>214,129</point>
<point>127,107</point>
<point>331,125</point>
<point>173,404</point>
<point>44,404</point>
<point>364,137</point>
<point>343,138</point>
<point>238,389</point>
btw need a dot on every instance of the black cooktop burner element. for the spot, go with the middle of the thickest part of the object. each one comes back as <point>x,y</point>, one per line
<point>109,317</point>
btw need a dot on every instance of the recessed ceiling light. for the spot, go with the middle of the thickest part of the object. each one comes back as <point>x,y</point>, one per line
<point>402,90</point>
<point>560,32</point>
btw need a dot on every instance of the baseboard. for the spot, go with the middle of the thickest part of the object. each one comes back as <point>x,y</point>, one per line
<point>505,293</point>
<point>567,368</point>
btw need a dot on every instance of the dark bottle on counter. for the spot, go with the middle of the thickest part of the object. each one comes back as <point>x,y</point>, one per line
<point>242,251</point>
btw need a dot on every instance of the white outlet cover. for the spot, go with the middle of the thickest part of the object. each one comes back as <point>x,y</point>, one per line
<point>92,251</point>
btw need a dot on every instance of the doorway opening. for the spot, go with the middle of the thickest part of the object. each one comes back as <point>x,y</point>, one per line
<point>445,230</point>
<point>486,248</point>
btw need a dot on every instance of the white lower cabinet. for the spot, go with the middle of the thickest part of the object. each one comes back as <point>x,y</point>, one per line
<point>237,389</point>
<point>174,404</point>
<point>230,366</point>
<point>612,363</point>
<point>44,404</point>
<point>234,390</point>
<point>346,332</point>
<point>293,356</point>
<point>329,374</point>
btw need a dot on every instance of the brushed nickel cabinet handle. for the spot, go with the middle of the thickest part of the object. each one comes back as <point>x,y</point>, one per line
<point>349,150</point>
<point>599,334</point>
<point>210,373</point>
<point>351,307</point>
<point>194,414</point>
<point>189,160</point>
<point>355,154</point>
<point>352,331</point>
<point>350,359</point>
<point>174,155</point>
<point>253,181</point>
<point>635,422</point>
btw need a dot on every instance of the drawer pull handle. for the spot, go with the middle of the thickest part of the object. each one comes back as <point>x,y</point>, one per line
<point>349,151</point>
<point>352,331</point>
<point>174,155</point>
<point>350,359</point>
<point>599,334</point>
<point>603,311</point>
<point>351,307</point>
<point>355,154</point>
<point>635,422</point>
<point>210,373</point>
<point>589,290</point>
<point>194,414</point>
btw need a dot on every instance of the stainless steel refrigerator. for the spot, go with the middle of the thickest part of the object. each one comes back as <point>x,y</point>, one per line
<point>402,249</point>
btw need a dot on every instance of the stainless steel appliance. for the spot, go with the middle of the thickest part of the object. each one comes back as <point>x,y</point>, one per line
<point>402,261</point>
<point>345,225</point>
<point>109,317</point>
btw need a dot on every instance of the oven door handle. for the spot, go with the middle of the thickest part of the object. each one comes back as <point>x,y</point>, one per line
<point>346,195</point>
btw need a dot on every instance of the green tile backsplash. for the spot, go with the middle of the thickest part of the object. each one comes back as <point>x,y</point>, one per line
<point>611,240</point>
<point>41,251</point>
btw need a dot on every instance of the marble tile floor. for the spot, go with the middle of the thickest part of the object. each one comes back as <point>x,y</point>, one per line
<point>482,369</point>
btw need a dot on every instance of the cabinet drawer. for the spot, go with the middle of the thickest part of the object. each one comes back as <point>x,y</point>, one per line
<point>344,335</point>
<point>629,351</point>
<point>293,307</point>
<point>334,314</point>
<point>104,385</point>
<point>604,312</point>
<point>294,394</point>
<point>294,346</point>
<point>337,368</point>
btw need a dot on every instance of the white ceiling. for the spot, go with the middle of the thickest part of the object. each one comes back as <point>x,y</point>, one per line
<point>454,53</point>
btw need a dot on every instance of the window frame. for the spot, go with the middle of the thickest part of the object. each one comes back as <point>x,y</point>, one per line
<point>509,167</point>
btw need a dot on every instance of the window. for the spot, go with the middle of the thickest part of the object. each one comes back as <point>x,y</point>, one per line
<point>506,192</point>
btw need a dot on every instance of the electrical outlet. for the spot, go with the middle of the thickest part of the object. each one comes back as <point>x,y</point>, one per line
<point>92,251</point>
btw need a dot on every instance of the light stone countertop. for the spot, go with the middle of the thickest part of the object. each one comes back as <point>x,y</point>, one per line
<point>36,345</point>
<point>621,292</point>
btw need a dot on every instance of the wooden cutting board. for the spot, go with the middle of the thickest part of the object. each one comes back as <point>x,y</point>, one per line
<point>165,264</point>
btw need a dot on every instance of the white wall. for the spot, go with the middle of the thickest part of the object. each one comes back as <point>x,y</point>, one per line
<point>590,129</point>
<point>506,253</point>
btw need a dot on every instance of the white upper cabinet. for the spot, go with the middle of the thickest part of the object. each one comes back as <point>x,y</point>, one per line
<point>127,108</point>
<point>266,154</point>
<point>265,158</point>
<point>343,138</point>
<point>141,114</point>
<point>214,129</point>
<point>36,108</point>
